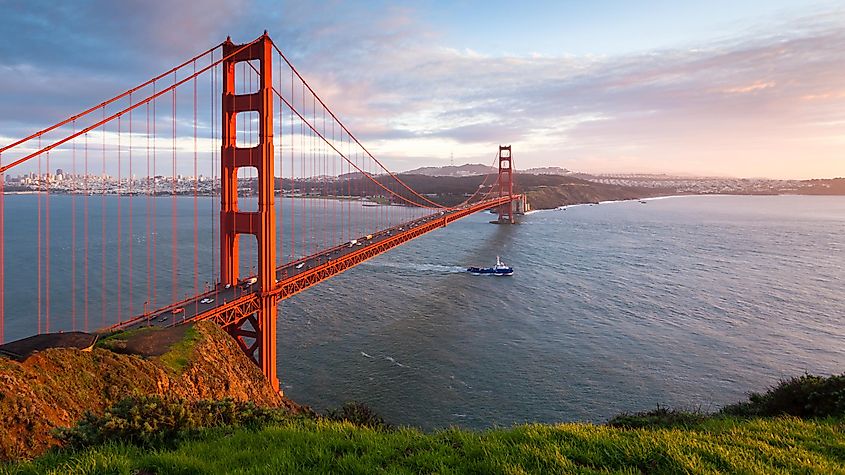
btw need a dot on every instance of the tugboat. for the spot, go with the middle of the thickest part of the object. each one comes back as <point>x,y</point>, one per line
<point>498,269</point>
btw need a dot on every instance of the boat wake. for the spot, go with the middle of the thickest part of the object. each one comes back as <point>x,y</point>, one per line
<point>420,268</point>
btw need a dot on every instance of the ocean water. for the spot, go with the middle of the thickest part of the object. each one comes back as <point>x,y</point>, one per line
<point>688,302</point>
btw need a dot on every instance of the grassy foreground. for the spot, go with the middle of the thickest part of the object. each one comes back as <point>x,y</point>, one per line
<point>296,445</point>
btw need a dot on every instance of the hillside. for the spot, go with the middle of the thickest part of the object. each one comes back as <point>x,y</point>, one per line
<point>54,388</point>
<point>793,427</point>
<point>542,191</point>
<point>470,169</point>
<point>575,192</point>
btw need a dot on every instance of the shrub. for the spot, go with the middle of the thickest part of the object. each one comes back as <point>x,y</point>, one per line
<point>359,414</point>
<point>155,421</point>
<point>804,396</point>
<point>661,417</point>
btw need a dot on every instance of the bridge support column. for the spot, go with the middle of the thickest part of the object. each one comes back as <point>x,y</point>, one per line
<point>262,223</point>
<point>506,211</point>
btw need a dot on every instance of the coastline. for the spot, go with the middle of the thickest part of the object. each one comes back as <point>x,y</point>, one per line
<point>658,198</point>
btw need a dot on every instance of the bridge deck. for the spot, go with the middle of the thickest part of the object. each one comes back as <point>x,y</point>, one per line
<point>228,306</point>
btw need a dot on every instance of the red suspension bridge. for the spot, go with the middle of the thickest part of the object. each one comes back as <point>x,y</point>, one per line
<point>295,198</point>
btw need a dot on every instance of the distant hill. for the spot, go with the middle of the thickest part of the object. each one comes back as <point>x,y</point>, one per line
<point>542,191</point>
<point>469,169</point>
<point>474,169</point>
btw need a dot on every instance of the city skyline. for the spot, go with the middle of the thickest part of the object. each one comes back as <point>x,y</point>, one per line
<point>749,92</point>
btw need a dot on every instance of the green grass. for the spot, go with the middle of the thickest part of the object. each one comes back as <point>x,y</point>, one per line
<point>179,354</point>
<point>717,445</point>
<point>109,341</point>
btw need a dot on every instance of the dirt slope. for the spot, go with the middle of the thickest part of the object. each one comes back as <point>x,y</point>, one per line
<point>55,387</point>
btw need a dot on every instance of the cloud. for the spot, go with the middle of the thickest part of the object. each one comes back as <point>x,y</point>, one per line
<point>735,103</point>
<point>727,106</point>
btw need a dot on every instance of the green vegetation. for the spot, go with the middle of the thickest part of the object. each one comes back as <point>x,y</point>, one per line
<point>358,414</point>
<point>804,396</point>
<point>179,353</point>
<point>309,445</point>
<point>174,350</point>
<point>117,340</point>
<point>662,417</point>
<point>152,435</point>
<point>154,421</point>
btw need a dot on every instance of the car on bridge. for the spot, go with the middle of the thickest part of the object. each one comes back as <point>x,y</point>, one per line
<point>248,283</point>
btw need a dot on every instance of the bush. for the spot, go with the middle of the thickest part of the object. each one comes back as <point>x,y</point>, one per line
<point>359,414</point>
<point>804,396</point>
<point>661,417</point>
<point>155,421</point>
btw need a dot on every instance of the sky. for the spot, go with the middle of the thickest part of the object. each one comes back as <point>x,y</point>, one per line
<point>717,88</point>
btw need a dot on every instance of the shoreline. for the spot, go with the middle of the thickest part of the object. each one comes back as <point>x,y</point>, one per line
<point>657,198</point>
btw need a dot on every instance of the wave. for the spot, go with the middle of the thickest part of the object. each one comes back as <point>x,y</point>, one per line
<point>390,358</point>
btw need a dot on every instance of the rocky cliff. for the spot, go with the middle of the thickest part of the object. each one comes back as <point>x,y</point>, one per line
<point>549,197</point>
<point>54,388</point>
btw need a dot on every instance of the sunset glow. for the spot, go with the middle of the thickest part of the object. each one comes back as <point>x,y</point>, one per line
<point>753,90</point>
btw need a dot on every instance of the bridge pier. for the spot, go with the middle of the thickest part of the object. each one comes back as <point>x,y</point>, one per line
<point>267,325</point>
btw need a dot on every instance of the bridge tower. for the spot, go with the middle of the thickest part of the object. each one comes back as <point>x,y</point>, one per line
<point>506,211</point>
<point>256,334</point>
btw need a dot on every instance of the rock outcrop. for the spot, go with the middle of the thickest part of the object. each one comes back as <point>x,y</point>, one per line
<point>55,387</point>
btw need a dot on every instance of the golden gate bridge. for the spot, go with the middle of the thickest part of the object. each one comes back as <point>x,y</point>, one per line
<point>247,110</point>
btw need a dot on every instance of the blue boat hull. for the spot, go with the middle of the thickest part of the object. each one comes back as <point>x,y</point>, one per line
<point>490,271</point>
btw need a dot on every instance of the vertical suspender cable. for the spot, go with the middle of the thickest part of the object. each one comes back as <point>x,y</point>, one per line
<point>334,192</point>
<point>295,143</point>
<point>85,224</point>
<point>196,191</point>
<point>119,217</point>
<point>246,87</point>
<point>325,176</point>
<point>292,177</point>
<point>348,201</point>
<point>103,229</point>
<point>131,205</point>
<point>280,249</point>
<point>38,203</point>
<point>213,122</point>
<point>154,218</point>
<point>47,248</point>
<point>147,217</point>
<point>174,260</point>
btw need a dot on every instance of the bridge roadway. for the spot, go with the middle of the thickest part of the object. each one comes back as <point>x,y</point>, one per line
<point>231,305</point>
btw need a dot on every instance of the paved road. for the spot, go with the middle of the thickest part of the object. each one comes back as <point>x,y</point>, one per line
<point>220,296</point>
